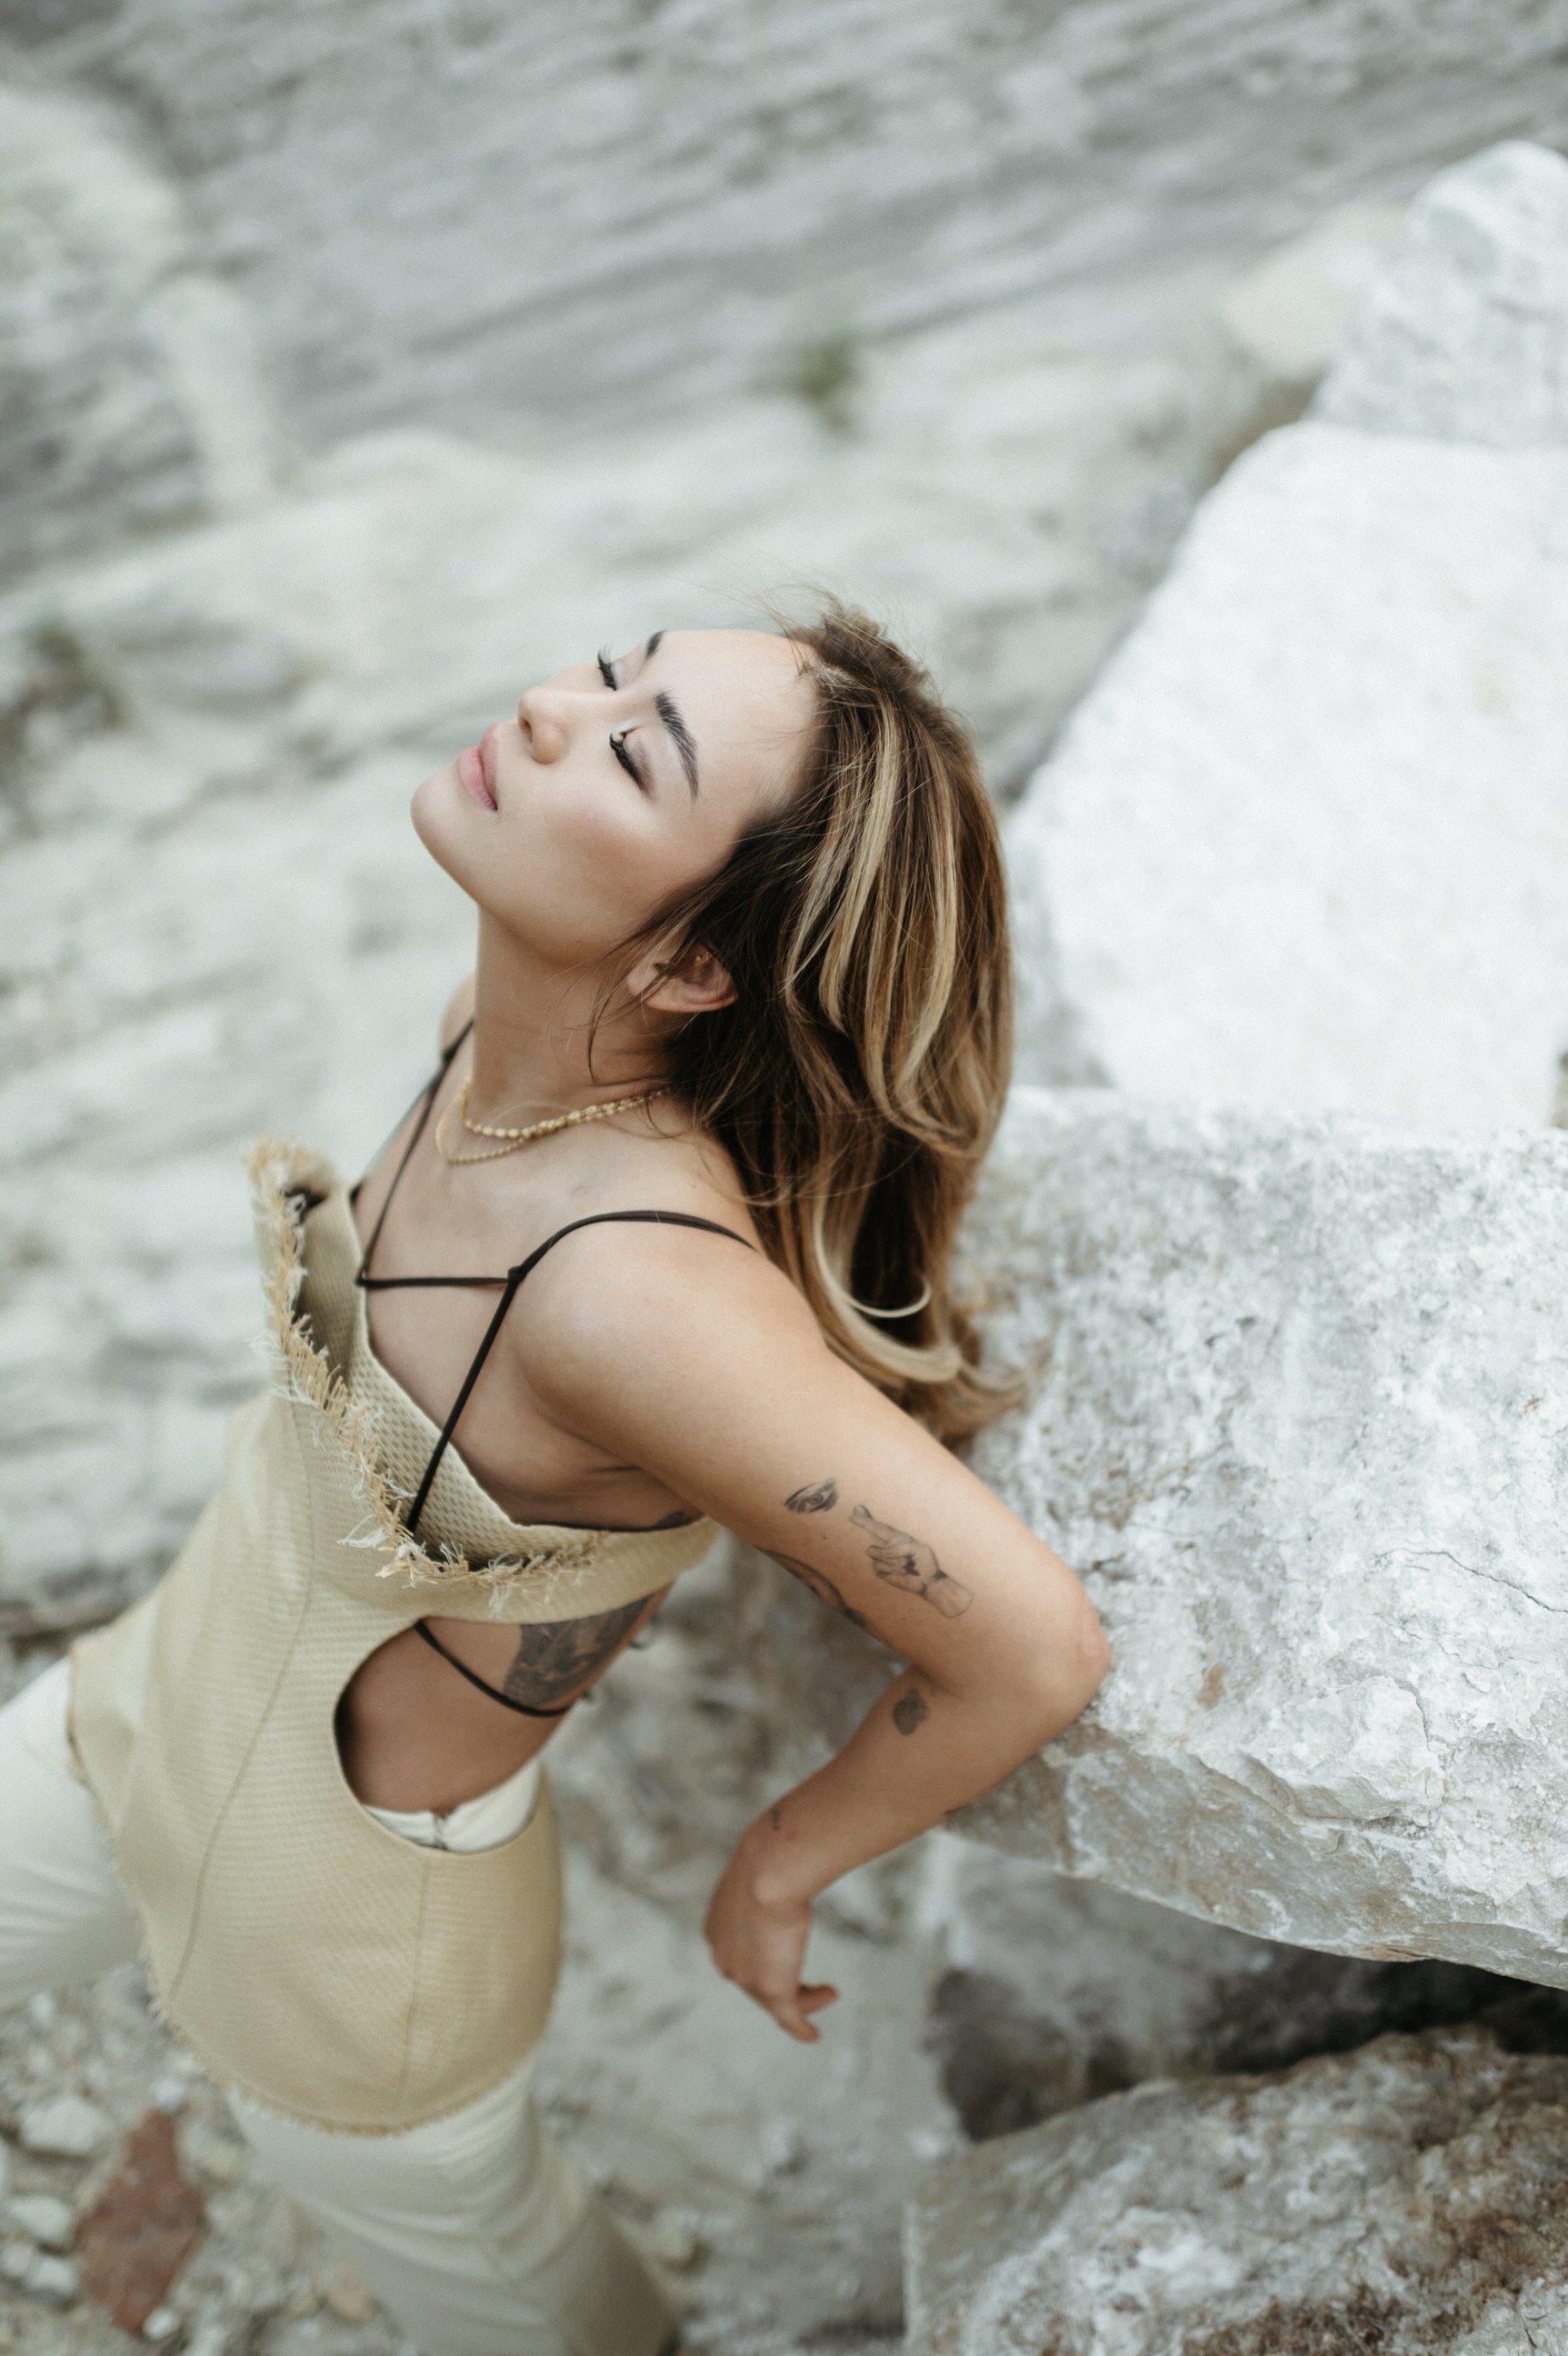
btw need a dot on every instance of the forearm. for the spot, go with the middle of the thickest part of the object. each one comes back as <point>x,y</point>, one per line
<point>920,1753</point>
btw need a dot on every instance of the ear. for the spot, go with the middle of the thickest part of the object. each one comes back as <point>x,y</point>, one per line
<point>696,984</point>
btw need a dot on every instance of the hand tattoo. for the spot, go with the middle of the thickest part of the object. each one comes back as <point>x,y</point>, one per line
<point>911,1710</point>
<point>553,1657</point>
<point>908,1563</point>
<point>822,1586</point>
<point>817,1500</point>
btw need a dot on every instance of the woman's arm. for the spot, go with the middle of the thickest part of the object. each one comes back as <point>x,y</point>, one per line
<point>713,1374</point>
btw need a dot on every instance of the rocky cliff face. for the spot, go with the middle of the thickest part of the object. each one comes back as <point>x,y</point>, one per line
<point>984,249</point>
<point>483,219</point>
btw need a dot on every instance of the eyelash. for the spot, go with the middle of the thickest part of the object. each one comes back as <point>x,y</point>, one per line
<point>618,747</point>
<point>617,742</point>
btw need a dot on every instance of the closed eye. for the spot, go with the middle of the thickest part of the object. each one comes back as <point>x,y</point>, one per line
<point>618,747</point>
<point>606,668</point>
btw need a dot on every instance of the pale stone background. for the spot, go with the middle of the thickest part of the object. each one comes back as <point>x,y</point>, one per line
<point>358,364</point>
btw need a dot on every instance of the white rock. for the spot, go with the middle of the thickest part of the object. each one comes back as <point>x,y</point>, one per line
<point>54,2280</point>
<point>1306,845</point>
<point>211,2336</point>
<point>43,2219</point>
<point>1465,336</point>
<point>1289,315</point>
<point>1303,1430</point>
<point>171,2091</point>
<point>347,2293</point>
<point>1048,1991</point>
<point>68,2126</point>
<point>1400,2198</point>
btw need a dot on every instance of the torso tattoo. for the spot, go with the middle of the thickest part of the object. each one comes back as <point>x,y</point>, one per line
<point>553,1657</point>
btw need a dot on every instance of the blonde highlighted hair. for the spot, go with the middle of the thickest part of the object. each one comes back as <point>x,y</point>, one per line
<point>858,1075</point>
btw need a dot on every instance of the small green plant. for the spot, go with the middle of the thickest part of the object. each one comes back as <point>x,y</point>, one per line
<point>826,370</point>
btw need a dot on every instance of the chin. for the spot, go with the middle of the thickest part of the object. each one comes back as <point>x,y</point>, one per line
<point>436,810</point>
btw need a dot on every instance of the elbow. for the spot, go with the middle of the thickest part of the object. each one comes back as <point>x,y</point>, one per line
<point>1093,1648</point>
<point>1080,1664</point>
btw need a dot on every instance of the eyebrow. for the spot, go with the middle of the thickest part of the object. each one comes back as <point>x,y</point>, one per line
<point>681,736</point>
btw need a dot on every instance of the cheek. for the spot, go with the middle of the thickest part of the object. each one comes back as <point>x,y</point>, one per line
<point>581,869</point>
<point>596,847</point>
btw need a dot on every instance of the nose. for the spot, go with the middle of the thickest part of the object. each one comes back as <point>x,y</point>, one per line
<point>541,725</point>
<point>547,717</point>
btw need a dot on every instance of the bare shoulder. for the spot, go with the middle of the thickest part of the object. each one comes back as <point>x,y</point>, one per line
<point>677,1351</point>
<point>683,1285</point>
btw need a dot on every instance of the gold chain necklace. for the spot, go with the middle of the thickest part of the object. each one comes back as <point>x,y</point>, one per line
<point>521,1137</point>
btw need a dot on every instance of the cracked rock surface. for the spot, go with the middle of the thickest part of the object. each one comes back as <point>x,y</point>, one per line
<point>1299,1421</point>
<point>1410,2199</point>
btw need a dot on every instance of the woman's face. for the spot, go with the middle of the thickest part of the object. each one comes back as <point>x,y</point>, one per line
<point>618,783</point>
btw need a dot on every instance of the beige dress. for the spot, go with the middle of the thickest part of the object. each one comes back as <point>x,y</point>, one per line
<point>307,1957</point>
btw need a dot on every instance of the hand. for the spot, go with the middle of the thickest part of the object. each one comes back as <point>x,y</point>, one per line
<point>760,1944</point>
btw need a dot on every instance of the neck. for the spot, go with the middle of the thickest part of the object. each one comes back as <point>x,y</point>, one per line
<point>529,1040</point>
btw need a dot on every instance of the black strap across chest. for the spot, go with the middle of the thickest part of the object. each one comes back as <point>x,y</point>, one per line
<point>506,1286</point>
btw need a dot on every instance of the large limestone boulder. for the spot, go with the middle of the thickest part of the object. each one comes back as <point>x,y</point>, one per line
<point>1299,1418</point>
<point>1046,1992</point>
<point>1410,2199</point>
<point>1304,846</point>
<point>1464,338</point>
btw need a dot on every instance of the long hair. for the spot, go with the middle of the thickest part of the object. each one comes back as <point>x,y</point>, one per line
<point>858,1075</point>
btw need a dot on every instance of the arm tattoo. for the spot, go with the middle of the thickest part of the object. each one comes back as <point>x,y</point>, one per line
<point>908,1563</point>
<point>822,1586</point>
<point>553,1657</point>
<point>817,1500</point>
<point>911,1710</point>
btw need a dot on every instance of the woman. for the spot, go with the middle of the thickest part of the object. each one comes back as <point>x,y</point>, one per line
<point>711,1104</point>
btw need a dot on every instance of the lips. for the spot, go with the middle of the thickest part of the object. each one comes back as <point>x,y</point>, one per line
<point>476,770</point>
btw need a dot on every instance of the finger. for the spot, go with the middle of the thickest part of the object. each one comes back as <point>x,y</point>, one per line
<point>794,2023</point>
<point>786,2007</point>
<point>811,1999</point>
